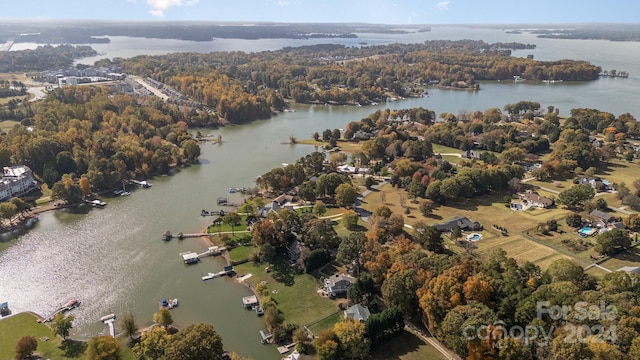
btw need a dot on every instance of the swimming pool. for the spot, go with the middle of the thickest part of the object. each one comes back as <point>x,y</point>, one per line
<point>474,237</point>
<point>587,231</point>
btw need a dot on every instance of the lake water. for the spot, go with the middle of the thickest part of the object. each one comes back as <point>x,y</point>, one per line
<point>113,259</point>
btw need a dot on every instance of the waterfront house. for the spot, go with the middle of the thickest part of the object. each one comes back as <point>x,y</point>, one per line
<point>272,206</point>
<point>357,312</point>
<point>16,181</point>
<point>337,285</point>
<point>463,222</point>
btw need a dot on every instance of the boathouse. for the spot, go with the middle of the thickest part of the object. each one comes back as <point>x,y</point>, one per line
<point>190,257</point>
<point>250,301</point>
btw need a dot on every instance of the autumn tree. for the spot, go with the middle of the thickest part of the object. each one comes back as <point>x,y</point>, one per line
<point>25,347</point>
<point>328,345</point>
<point>85,185</point>
<point>152,344</point>
<point>195,342</point>
<point>67,190</point>
<point>103,348</point>
<point>351,336</point>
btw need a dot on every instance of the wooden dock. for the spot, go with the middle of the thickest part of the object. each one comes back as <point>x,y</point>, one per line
<point>62,309</point>
<point>168,235</point>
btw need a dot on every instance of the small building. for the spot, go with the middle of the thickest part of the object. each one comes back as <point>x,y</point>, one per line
<point>462,222</point>
<point>337,285</point>
<point>357,312</point>
<point>249,302</point>
<point>190,257</point>
<point>471,154</point>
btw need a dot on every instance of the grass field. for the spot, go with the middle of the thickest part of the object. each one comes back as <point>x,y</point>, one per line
<point>404,346</point>
<point>488,210</point>
<point>292,290</point>
<point>630,257</point>
<point>241,252</point>
<point>441,149</point>
<point>13,328</point>
<point>7,125</point>
<point>326,323</point>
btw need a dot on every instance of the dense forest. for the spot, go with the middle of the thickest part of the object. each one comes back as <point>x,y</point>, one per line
<point>84,132</point>
<point>243,87</point>
<point>42,58</point>
<point>82,32</point>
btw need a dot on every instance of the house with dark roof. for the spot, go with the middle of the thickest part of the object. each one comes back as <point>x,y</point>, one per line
<point>338,284</point>
<point>357,312</point>
<point>601,218</point>
<point>462,222</point>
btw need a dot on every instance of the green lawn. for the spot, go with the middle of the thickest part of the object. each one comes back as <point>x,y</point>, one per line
<point>326,323</point>
<point>404,346</point>
<point>439,149</point>
<point>241,252</point>
<point>13,328</point>
<point>291,290</point>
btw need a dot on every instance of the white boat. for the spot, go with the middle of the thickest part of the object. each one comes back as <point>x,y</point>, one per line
<point>108,317</point>
<point>209,276</point>
<point>97,203</point>
<point>125,193</point>
<point>118,192</point>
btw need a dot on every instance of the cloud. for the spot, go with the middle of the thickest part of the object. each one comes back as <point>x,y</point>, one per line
<point>283,3</point>
<point>158,7</point>
<point>443,5</point>
<point>131,1</point>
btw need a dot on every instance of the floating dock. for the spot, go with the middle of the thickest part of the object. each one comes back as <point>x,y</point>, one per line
<point>265,337</point>
<point>228,270</point>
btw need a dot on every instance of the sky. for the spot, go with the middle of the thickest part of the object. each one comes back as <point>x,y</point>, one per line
<point>333,11</point>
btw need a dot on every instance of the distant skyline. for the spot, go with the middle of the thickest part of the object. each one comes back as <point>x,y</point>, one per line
<point>332,11</point>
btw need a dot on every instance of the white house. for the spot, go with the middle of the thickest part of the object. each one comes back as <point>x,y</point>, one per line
<point>16,181</point>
